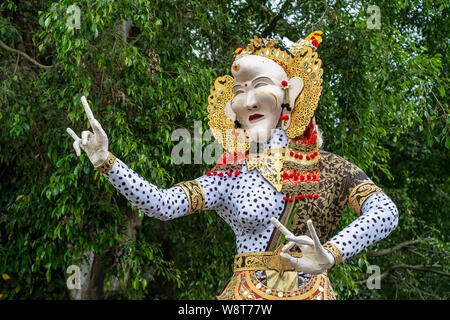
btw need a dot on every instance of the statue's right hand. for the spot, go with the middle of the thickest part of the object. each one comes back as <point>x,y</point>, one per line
<point>95,144</point>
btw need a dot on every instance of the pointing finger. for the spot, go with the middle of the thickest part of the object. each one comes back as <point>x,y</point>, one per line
<point>96,127</point>
<point>87,109</point>
<point>280,227</point>
<point>72,134</point>
<point>313,234</point>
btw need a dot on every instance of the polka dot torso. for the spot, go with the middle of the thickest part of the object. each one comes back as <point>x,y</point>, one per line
<point>247,206</point>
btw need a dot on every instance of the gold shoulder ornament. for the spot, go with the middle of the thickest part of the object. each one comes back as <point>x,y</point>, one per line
<point>360,193</point>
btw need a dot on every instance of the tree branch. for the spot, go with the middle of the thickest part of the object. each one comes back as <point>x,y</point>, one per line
<point>422,268</point>
<point>394,248</point>
<point>273,23</point>
<point>23,54</point>
<point>319,22</point>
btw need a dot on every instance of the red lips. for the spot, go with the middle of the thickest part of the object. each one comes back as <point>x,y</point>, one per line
<point>255,116</point>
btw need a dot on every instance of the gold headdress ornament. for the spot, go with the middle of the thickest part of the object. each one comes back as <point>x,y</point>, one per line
<point>300,60</point>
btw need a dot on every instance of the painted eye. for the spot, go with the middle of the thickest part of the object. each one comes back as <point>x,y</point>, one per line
<point>238,92</point>
<point>260,84</point>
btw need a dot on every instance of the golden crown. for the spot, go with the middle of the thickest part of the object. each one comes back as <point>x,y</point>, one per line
<point>271,50</point>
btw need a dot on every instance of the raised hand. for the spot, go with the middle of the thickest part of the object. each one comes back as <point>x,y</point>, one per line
<point>315,258</point>
<point>95,144</point>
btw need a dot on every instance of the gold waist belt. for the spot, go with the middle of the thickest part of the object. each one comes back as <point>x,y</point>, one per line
<point>282,279</point>
<point>263,260</point>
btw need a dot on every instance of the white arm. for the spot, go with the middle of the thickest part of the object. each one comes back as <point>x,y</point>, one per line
<point>379,217</point>
<point>162,204</point>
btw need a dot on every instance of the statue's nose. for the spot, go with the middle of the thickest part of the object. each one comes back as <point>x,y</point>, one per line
<point>250,102</point>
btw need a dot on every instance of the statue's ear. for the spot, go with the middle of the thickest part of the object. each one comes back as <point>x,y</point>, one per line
<point>295,88</point>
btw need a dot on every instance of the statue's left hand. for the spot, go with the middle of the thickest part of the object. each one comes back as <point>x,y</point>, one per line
<point>315,258</point>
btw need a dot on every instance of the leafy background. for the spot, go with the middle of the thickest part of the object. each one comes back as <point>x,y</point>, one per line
<point>384,107</point>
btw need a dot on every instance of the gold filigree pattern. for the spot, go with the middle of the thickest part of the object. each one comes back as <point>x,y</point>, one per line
<point>270,43</point>
<point>270,166</point>
<point>263,261</point>
<point>360,193</point>
<point>335,251</point>
<point>308,67</point>
<point>278,264</point>
<point>195,195</point>
<point>256,41</point>
<point>301,147</point>
<point>108,164</point>
<point>222,127</point>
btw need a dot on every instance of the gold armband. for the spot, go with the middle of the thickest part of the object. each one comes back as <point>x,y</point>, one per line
<point>194,193</point>
<point>335,251</point>
<point>108,164</point>
<point>360,193</point>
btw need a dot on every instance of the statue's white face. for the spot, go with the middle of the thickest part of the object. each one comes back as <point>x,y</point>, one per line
<point>259,95</point>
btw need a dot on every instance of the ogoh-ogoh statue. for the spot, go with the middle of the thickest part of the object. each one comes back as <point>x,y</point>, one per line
<point>273,197</point>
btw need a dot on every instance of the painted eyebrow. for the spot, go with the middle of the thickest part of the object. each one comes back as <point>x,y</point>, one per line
<point>256,79</point>
<point>262,77</point>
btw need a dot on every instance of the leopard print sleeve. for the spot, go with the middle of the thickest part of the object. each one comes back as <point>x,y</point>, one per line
<point>378,214</point>
<point>164,204</point>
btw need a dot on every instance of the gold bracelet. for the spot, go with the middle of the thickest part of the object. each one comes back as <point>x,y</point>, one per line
<point>335,251</point>
<point>195,195</point>
<point>108,164</point>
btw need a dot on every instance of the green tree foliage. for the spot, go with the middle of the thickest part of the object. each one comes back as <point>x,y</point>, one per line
<point>384,107</point>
